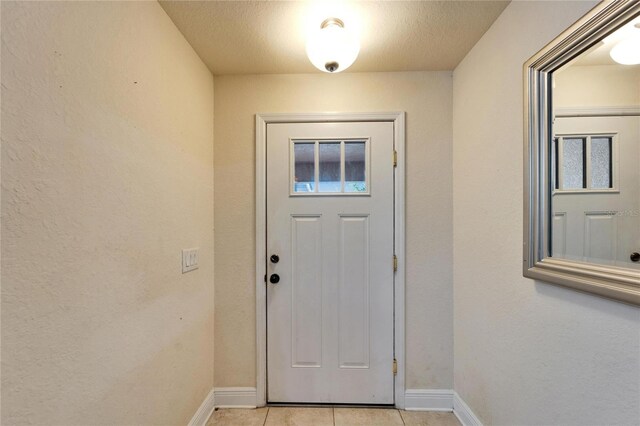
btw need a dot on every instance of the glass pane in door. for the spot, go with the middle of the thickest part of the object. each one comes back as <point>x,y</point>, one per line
<point>304,170</point>
<point>355,167</point>
<point>329,166</point>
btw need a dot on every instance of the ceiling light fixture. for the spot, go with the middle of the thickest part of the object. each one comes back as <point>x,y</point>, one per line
<point>627,51</point>
<point>332,48</point>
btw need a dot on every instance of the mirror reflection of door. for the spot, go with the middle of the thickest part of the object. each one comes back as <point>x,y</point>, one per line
<point>596,158</point>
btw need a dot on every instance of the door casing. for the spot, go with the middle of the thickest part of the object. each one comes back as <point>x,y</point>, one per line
<point>398,120</point>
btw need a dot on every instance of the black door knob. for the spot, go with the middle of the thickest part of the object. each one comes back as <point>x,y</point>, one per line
<point>274,279</point>
<point>635,257</point>
<point>275,258</point>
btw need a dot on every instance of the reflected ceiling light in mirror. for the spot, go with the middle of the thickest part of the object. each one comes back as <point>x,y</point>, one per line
<point>624,43</point>
<point>627,51</point>
<point>332,48</point>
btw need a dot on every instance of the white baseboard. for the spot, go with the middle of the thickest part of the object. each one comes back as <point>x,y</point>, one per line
<point>428,400</point>
<point>415,400</point>
<point>235,397</point>
<point>463,412</point>
<point>440,400</point>
<point>204,411</point>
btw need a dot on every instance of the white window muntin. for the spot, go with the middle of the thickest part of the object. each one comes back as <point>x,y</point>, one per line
<point>557,164</point>
<point>316,142</point>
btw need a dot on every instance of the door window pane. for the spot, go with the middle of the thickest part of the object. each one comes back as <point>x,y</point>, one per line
<point>354,167</point>
<point>329,165</point>
<point>573,163</point>
<point>304,157</point>
<point>601,163</point>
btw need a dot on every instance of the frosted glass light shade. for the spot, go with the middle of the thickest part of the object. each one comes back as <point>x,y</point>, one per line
<point>627,52</point>
<point>332,48</point>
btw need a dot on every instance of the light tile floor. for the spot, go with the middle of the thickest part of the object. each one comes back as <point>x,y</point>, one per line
<point>304,416</point>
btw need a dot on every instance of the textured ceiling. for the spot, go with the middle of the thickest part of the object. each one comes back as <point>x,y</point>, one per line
<point>266,37</point>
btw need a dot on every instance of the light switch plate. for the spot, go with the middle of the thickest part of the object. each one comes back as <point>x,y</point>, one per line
<point>189,259</point>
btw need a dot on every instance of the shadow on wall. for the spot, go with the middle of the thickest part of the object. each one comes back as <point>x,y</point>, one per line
<point>587,301</point>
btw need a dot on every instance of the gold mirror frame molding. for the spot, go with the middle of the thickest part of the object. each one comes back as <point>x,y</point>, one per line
<point>608,281</point>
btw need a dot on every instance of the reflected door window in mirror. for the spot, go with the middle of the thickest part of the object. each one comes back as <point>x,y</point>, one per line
<point>330,167</point>
<point>573,163</point>
<point>601,163</point>
<point>583,163</point>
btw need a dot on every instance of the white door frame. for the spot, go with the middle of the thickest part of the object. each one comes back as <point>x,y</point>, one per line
<point>261,227</point>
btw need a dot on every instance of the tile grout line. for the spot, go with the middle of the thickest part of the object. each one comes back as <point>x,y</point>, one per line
<point>402,418</point>
<point>265,417</point>
<point>333,413</point>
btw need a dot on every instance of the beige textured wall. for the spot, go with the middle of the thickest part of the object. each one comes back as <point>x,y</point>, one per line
<point>107,153</point>
<point>526,352</point>
<point>426,97</point>
<point>597,85</point>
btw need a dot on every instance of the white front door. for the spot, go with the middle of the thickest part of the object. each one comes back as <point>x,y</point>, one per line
<point>330,223</point>
<point>597,204</point>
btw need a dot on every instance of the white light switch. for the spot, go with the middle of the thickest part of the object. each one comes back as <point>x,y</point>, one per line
<point>189,259</point>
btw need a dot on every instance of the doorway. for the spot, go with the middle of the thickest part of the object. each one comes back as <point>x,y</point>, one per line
<point>329,258</point>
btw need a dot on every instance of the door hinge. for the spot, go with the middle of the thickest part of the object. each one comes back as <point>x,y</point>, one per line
<point>395,158</point>
<point>395,367</point>
<point>395,263</point>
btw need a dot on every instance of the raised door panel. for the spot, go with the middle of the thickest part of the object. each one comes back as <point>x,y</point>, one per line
<point>306,291</point>
<point>353,285</point>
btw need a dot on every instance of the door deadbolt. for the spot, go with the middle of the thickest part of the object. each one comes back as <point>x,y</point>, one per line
<point>275,258</point>
<point>635,257</point>
<point>274,279</point>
